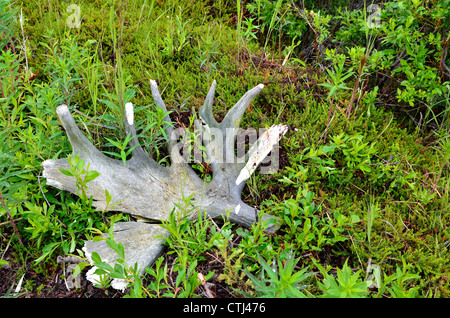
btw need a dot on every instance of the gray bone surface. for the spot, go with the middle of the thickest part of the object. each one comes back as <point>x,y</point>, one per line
<point>145,189</point>
<point>142,242</point>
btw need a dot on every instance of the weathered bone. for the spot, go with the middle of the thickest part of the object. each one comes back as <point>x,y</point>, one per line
<point>143,188</point>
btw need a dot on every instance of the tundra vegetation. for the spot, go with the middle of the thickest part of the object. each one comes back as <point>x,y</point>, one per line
<point>361,193</point>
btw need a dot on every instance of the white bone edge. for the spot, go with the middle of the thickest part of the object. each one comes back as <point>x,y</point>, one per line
<point>265,145</point>
<point>129,113</point>
<point>61,110</point>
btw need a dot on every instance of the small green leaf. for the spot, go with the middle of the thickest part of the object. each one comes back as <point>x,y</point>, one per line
<point>3,262</point>
<point>108,197</point>
<point>78,268</point>
<point>95,257</point>
<point>91,175</point>
<point>66,172</point>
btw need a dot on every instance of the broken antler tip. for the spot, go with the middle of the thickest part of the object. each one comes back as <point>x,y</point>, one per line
<point>129,113</point>
<point>153,83</point>
<point>283,129</point>
<point>60,110</point>
<point>261,86</point>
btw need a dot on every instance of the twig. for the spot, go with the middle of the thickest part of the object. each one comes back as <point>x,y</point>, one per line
<point>217,227</point>
<point>170,273</point>
<point>10,218</point>
<point>42,191</point>
<point>69,259</point>
<point>303,15</point>
<point>24,43</point>
<point>208,291</point>
<point>330,119</point>
<point>444,68</point>
<point>8,222</point>
<point>6,249</point>
<point>385,128</point>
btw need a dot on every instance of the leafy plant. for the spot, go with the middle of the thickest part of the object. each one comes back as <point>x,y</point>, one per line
<point>81,174</point>
<point>320,158</point>
<point>187,234</point>
<point>90,72</point>
<point>397,284</point>
<point>7,16</point>
<point>187,280</point>
<point>269,15</point>
<point>279,280</point>
<point>306,228</point>
<point>208,49</point>
<point>42,221</point>
<point>62,66</point>
<point>416,43</point>
<point>153,134</point>
<point>124,152</point>
<point>357,153</point>
<point>346,284</point>
<point>254,242</point>
<point>250,30</point>
<point>337,78</point>
<point>177,37</point>
<point>232,259</point>
<point>9,79</point>
<point>116,103</point>
<point>160,284</point>
<point>11,172</point>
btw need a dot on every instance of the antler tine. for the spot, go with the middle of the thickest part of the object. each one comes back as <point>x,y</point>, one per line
<point>228,128</point>
<point>177,160</point>
<point>131,130</point>
<point>139,157</point>
<point>235,114</point>
<point>233,117</point>
<point>206,110</point>
<point>160,103</point>
<point>79,142</point>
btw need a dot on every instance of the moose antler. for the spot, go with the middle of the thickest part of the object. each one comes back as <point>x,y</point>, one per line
<point>143,188</point>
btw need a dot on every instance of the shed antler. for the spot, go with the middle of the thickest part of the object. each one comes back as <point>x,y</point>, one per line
<point>143,188</point>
